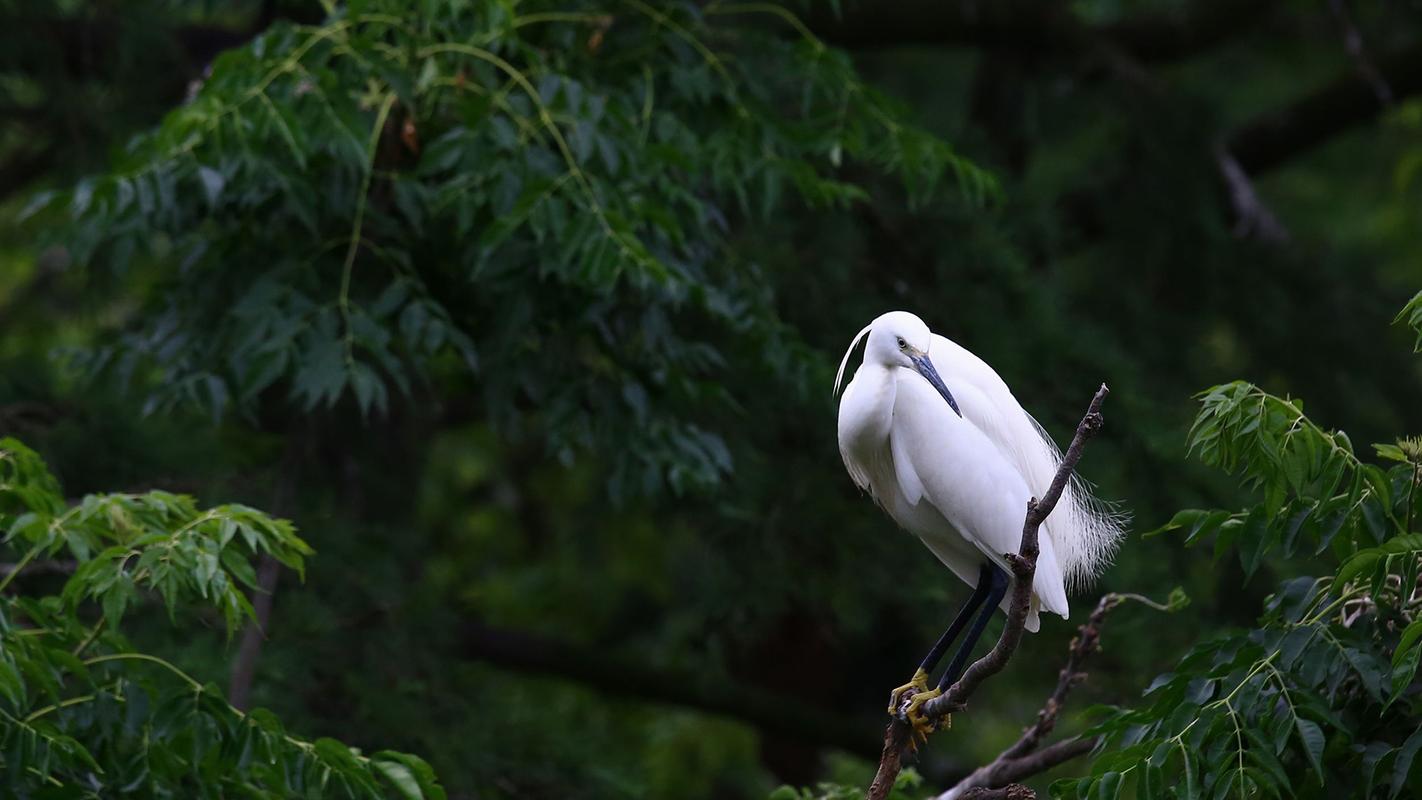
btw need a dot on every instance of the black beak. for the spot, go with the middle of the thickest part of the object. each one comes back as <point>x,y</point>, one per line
<point>925,368</point>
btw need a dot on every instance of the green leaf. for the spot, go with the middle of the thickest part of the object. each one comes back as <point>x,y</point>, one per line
<point>1361,562</point>
<point>1390,452</point>
<point>1152,785</point>
<point>115,600</point>
<point>1402,765</point>
<point>1313,741</point>
<point>400,777</point>
<point>1373,755</point>
<point>1196,522</point>
<point>1254,540</point>
<point>1412,315</point>
<point>1190,772</point>
<point>1109,788</point>
<point>1403,672</point>
<point>212,183</point>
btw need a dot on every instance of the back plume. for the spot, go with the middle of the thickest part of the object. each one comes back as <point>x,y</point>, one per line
<point>1085,530</point>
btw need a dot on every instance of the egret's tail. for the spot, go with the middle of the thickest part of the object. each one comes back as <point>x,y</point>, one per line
<point>1048,590</point>
<point>1087,532</point>
<point>1086,529</point>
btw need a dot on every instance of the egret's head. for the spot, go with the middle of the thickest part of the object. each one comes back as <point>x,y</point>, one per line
<point>900,339</point>
<point>896,339</point>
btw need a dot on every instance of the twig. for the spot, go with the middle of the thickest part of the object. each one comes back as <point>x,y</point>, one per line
<point>244,666</point>
<point>254,635</point>
<point>622,675</point>
<point>1353,43</point>
<point>1014,792</point>
<point>1252,217</point>
<point>1015,25</point>
<point>1024,566</point>
<point>1026,756</point>
<point>1273,138</point>
<point>50,566</point>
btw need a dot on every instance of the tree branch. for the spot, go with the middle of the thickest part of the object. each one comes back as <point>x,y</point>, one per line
<point>1269,141</point>
<point>25,167</point>
<point>1278,136</point>
<point>1252,216</point>
<point>771,712</point>
<point>254,635</point>
<point>1024,566</point>
<point>49,567</point>
<point>1012,792</point>
<point>244,666</point>
<point>1353,43</point>
<point>1024,25</point>
<point>1027,756</point>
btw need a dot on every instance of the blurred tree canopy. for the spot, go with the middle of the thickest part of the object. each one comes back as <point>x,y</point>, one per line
<point>526,313</point>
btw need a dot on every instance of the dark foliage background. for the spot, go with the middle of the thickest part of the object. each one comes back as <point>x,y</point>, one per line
<point>526,315</point>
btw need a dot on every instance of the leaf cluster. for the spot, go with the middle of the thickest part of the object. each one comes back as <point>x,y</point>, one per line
<point>83,714</point>
<point>1320,699</point>
<point>503,189</point>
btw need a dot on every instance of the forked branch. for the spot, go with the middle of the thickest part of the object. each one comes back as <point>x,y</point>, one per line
<point>1024,567</point>
<point>1027,756</point>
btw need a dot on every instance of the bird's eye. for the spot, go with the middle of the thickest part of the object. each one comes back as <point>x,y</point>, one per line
<point>902,344</point>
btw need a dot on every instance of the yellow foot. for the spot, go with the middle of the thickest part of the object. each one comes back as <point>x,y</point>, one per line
<point>922,725</point>
<point>916,685</point>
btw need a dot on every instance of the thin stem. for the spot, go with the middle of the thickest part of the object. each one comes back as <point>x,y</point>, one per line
<point>72,701</point>
<point>89,639</point>
<point>193,682</point>
<point>546,118</point>
<point>20,566</point>
<point>1142,599</point>
<point>687,36</point>
<point>765,8</point>
<point>1326,610</point>
<point>1411,492</point>
<point>343,300</point>
<point>561,16</point>
<point>197,686</point>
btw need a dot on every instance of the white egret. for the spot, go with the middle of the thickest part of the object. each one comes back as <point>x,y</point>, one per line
<point>953,458</point>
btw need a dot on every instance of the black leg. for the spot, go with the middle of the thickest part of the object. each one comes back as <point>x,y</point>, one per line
<point>997,589</point>
<point>980,593</point>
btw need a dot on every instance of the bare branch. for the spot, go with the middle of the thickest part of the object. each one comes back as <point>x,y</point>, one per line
<point>795,718</point>
<point>51,567</point>
<point>254,635</point>
<point>1274,138</point>
<point>244,667</point>
<point>1028,26</point>
<point>1053,755</point>
<point>1027,756</point>
<point>1024,567</point>
<point>1353,43</point>
<point>1015,791</point>
<point>1252,217</point>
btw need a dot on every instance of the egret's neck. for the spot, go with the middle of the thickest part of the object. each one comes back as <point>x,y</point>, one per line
<point>867,410</point>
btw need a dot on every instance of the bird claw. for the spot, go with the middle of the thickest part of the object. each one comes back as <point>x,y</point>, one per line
<point>921,723</point>
<point>900,696</point>
<point>906,705</point>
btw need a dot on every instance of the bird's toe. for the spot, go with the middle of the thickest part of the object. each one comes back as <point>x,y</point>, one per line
<point>921,723</point>
<point>898,697</point>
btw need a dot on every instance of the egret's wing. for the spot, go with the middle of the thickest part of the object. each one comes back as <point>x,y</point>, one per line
<point>1084,530</point>
<point>904,471</point>
<point>957,469</point>
<point>985,401</point>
